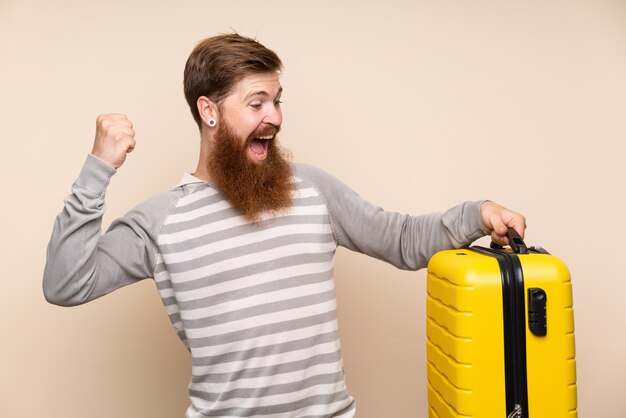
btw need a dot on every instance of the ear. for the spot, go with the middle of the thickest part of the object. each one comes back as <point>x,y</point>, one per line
<point>207,110</point>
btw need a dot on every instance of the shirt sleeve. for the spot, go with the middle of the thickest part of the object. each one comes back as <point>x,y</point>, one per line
<point>404,241</point>
<point>82,263</point>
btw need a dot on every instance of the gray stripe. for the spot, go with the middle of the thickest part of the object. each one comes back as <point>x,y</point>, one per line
<point>239,230</point>
<point>169,301</point>
<point>163,283</point>
<point>283,284</point>
<point>182,336</point>
<point>256,372</point>
<point>259,392</point>
<point>267,350</point>
<point>220,215</point>
<point>175,317</point>
<point>307,201</point>
<point>280,408</point>
<point>258,331</point>
<point>248,270</point>
<point>205,201</point>
<point>260,309</point>
<point>248,249</point>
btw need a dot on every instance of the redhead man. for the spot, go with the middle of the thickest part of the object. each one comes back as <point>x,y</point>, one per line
<point>242,250</point>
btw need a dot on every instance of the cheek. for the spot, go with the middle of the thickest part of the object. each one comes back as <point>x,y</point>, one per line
<point>243,123</point>
<point>236,126</point>
<point>248,127</point>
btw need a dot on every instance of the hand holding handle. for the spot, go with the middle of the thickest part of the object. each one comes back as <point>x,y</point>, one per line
<point>515,241</point>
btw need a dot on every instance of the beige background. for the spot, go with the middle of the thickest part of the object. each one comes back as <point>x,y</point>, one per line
<point>417,105</point>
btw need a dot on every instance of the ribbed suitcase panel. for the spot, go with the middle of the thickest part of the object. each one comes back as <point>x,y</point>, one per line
<point>460,351</point>
<point>551,360</point>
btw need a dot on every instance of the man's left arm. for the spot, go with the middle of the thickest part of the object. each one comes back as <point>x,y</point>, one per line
<point>406,241</point>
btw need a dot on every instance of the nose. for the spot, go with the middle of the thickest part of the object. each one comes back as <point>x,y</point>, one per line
<point>274,116</point>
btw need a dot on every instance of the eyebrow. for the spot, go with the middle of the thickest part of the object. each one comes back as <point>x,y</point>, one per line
<point>262,93</point>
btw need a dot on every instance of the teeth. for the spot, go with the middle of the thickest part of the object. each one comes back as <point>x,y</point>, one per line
<point>266,137</point>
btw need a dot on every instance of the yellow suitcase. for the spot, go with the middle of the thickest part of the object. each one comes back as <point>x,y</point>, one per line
<point>500,334</point>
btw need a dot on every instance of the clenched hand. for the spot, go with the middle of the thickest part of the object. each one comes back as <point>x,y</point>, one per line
<point>115,138</point>
<point>497,219</point>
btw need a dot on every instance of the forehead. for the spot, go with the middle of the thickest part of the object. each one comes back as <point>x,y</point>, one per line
<point>260,83</point>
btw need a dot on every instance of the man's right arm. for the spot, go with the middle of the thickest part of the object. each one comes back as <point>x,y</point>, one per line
<point>81,263</point>
<point>77,266</point>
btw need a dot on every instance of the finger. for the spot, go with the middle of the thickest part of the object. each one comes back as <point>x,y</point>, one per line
<point>498,225</point>
<point>111,120</point>
<point>517,222</point>
<point>116,116</point>
<point>131,146</point>
<point>115,131</point>
<point>498,239</point>
<point>125,130</point>
<point>123,125</point>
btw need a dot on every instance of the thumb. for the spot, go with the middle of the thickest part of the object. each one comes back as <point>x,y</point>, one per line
<point>499,232</point>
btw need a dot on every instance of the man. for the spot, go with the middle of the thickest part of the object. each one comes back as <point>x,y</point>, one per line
<point>242,250</point>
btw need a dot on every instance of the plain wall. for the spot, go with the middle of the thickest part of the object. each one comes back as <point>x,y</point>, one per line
<point>417,105</point>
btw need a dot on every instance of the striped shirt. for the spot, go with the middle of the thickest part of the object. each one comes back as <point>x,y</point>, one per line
<point>254,302</point>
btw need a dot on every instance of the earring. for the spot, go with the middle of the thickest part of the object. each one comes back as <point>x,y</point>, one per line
<point>212,122</point>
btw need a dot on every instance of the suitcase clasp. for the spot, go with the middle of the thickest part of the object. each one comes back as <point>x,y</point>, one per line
<point>537,314</point>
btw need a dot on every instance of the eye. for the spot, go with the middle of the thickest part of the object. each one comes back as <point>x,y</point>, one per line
<point>256,105</point>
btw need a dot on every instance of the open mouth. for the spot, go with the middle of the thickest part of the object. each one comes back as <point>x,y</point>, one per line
<point>258,144</point>
<point>258,147</point>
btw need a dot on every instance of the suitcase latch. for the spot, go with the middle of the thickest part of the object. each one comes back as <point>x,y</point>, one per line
<point>537,316</point>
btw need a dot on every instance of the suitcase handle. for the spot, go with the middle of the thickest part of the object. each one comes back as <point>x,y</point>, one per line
<point>515,242</point>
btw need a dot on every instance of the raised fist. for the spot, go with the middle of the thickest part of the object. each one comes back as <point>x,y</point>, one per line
<point>115,138</point>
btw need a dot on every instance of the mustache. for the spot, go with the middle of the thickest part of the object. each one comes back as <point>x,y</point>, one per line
<point>265,130</point>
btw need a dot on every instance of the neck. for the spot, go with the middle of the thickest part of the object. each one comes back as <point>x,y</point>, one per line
<point>202,171</point>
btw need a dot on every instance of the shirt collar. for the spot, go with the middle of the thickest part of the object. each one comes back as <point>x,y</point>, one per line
<point>189,179</point>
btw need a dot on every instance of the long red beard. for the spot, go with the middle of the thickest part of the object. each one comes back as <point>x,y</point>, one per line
<point>252,188</point>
